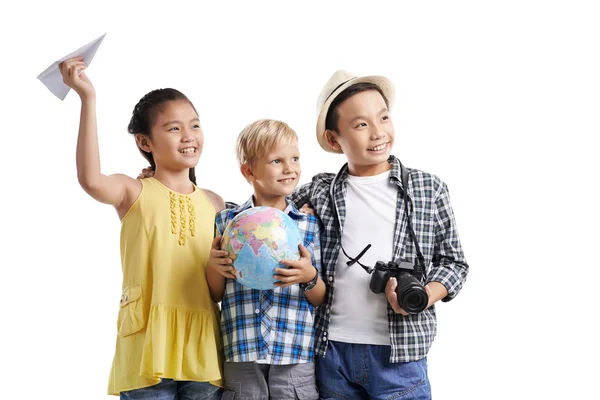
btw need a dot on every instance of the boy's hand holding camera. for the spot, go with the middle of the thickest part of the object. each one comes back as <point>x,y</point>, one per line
<point>435,290</point>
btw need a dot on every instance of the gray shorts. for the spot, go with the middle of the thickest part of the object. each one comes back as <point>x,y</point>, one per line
<point>253,381</point>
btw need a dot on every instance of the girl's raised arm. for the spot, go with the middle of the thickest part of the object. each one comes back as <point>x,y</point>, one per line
<point>118,190</point>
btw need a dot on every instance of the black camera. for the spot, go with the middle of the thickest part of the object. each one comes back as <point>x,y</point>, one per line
<point>412,296</point>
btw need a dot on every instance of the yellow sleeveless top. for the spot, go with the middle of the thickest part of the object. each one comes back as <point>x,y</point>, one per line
<point>168,325</point>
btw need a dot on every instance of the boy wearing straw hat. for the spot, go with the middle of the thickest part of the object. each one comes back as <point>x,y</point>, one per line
<point>375,209</point>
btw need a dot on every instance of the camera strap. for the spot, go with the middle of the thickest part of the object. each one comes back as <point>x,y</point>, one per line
<point>419,265</point>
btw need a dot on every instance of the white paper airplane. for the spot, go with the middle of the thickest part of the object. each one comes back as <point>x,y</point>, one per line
<point>52,78</point>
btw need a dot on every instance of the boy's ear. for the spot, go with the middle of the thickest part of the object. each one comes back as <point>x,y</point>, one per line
<point>143,142</point>
<point>331,138</point>
<point>246,170</point>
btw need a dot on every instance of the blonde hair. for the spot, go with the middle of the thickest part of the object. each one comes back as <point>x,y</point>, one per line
<point>260,137</point>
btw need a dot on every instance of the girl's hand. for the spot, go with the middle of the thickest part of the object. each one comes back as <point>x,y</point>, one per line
<point>219,261</point>
<point>73,73</point>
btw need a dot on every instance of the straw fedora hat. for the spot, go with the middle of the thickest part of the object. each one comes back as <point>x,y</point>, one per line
<point>340,81</point>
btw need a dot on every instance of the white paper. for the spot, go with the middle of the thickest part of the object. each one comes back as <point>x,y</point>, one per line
<point>52,78</point>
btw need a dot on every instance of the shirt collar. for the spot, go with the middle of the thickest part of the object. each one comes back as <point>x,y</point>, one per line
<point>396,170</point>
<point>289,210</point>
<point>395,174</point>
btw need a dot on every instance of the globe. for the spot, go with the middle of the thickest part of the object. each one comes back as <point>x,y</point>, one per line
<point>257,240</point>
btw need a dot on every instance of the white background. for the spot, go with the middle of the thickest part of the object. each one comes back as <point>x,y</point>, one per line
<point>501,99</point>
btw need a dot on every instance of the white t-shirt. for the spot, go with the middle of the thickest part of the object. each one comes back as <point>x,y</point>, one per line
<point>358,314</point>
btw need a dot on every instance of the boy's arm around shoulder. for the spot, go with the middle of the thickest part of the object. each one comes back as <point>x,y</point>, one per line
<point>307,193</point>
<point>449,266</point>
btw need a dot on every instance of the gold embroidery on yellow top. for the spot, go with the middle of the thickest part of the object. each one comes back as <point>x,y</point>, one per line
<point>192,214</point>
<point>184,218</point>
<point>173,201</point>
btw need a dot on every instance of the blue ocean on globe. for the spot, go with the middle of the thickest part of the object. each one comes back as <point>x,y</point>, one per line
<point>257,240</point>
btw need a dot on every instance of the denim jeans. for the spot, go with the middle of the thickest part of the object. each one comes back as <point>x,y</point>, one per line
<point>363,371</point>
<point>169,389</point>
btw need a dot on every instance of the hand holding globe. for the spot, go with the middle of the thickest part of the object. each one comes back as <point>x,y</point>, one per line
<point>300,271</point>
<point>219,260</point>
<point>258,241</point>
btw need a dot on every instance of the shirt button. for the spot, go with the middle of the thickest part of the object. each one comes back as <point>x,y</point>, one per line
<point>330,278</point>
<point>324,339</point>
<point>256,311</point>
<point>327,311</point>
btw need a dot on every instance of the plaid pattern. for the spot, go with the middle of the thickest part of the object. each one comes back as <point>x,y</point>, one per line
<point>274,325</point>
<point>435,228</point>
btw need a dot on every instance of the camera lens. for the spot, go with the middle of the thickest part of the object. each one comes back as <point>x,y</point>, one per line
<point>412,297</point>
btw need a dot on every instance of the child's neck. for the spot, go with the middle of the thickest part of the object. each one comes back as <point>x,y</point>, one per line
<point>368,170</point>
<point>275,201</point>
<point>177,181</point>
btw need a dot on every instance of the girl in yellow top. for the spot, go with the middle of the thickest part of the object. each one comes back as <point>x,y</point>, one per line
<point>168,344</point>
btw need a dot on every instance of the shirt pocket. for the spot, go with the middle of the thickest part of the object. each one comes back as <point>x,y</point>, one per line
<point>131,313</point>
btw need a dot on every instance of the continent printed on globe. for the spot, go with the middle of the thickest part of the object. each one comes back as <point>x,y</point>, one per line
<point>257,240</point>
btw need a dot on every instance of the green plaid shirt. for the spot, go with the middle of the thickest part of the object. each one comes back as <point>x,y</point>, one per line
<point>435,228</point>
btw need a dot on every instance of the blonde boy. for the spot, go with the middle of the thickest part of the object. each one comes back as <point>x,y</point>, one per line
<point>268,335</point>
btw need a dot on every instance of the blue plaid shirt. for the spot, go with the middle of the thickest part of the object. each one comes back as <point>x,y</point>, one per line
<point>433,222</point>
<point>274,325</point>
